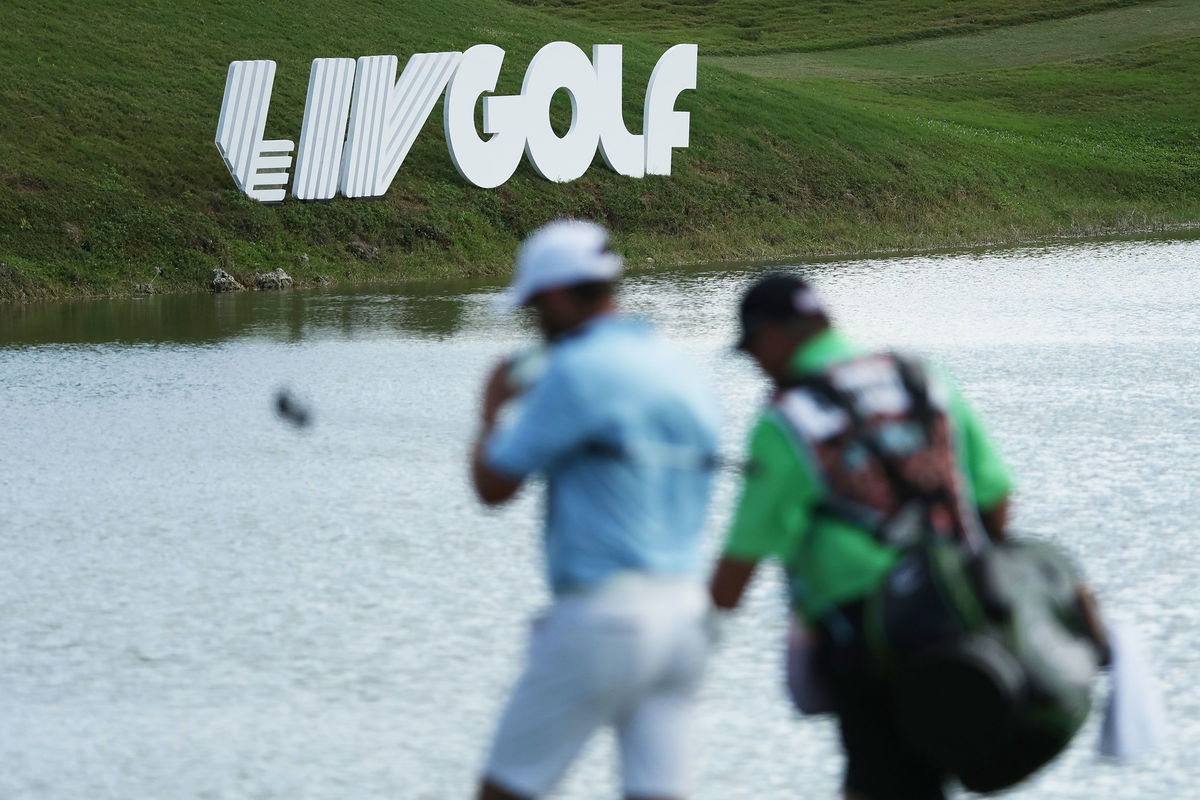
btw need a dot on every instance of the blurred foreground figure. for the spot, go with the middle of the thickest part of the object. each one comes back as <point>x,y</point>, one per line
<point>624,433</point>
<point>944,649</point>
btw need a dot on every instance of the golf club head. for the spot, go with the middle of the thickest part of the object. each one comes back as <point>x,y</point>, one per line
<point>291,409</point>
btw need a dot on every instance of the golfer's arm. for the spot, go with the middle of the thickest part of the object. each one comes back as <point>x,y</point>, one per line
<point>491,487</point>
<point>729,582</point>
<point>995,520</point>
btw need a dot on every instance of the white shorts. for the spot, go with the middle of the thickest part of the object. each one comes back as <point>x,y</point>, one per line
<point>629,654</point>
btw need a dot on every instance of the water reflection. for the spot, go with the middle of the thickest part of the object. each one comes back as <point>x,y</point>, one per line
<point>291,316</point>
<point>443,309</point>
<point>189,584</point>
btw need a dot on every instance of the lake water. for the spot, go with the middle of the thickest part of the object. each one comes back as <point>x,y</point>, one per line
<point>198,601</point>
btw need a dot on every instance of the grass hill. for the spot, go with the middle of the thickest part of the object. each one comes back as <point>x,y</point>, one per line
<point>745,27</point>
<point>109,177</point>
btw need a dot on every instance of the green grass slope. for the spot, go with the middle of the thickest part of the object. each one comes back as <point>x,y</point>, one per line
<point>1090,36</point>
<point>109,177</point>
<point>742,27</point>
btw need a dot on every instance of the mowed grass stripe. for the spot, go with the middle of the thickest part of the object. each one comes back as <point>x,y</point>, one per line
<point>1089,36</point>
<point>748,27</point>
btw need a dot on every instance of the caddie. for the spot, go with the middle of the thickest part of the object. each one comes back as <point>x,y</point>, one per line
<point>819,500</point>
<point>624,432</point>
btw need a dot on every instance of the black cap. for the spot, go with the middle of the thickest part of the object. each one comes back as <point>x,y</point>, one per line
<point>778,297</point>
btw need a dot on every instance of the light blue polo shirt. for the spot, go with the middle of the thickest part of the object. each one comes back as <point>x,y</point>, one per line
<point>625,432</point>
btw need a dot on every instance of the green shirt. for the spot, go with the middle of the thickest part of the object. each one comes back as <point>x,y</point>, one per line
<point>841,561</point>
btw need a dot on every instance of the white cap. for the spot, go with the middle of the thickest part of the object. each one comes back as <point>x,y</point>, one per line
<point>563,253</point>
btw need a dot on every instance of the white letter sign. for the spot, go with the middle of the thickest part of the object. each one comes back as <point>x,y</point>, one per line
<point>489,163</point>
<point>319,161</point>
<point>624,152</point>
<point>360,122</point>
<point>387,116</point>
<point>561,65</point>
<point>666,128</point>
<point>256,165</point>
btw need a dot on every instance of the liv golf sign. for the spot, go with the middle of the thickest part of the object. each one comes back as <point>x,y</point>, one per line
<point>360,121</point>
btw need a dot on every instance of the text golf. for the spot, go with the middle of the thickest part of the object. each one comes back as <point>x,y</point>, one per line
<point>360,121</point>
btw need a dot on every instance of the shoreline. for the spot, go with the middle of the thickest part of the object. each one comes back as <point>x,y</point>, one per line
<point>1100,235</point>
<point>638,264</point>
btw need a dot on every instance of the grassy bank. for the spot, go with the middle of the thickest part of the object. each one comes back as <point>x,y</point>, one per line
<point>109,178</point>
<point>1093,35</point>
<point>745,27</point>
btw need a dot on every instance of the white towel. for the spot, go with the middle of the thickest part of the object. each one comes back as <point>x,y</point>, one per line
<point>1135,720</point>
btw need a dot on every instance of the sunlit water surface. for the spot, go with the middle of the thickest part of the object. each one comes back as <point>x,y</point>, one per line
<point>200,602</point>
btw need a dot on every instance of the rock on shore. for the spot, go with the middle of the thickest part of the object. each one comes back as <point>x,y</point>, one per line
<point>275,279</point>
<point>222,281</point>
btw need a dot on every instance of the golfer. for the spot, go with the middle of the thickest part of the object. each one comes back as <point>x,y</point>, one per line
<point>624,432</point>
